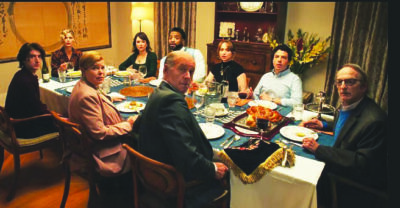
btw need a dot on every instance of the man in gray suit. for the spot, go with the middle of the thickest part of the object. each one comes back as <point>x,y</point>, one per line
<point>360,133</point>
<point>169,133</point>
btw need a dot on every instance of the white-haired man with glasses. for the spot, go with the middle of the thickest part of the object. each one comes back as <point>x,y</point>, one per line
<point>359,151</point>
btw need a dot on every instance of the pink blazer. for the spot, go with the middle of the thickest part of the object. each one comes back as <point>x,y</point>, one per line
<point>98,115</point>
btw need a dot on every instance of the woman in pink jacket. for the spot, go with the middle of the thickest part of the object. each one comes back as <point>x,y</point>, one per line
<point>97,114</point>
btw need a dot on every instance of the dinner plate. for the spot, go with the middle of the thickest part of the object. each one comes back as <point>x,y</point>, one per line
<point>212,131</point>
<point>264,103</point>
<point>74,74</point>
<point>69,89</point>
<point>222,113</point>
<point>297,133</point>
<point>126,107</point>
<point>155,82</point>
<point>122,73</point>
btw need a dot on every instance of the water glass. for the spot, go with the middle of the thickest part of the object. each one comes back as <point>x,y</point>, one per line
<point>126,80</point>
<point>298,110</point>
<point>70,67</point>
<point>143,71</point>
<point>209,113</point>
<point>232,99</point>
<point>198,101</point>
<point>105,86</point>
<point>62,75</point>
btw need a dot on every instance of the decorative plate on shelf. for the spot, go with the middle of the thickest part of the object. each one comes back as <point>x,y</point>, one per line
<point>251,6</point>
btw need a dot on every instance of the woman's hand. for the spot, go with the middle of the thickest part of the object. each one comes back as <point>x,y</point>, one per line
<point>63,66</point>
<point>132,119</point>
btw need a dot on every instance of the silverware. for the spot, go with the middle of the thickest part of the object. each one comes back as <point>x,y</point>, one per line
<point>237,137</point>
<point>229,138</point>
<point>292,143</point>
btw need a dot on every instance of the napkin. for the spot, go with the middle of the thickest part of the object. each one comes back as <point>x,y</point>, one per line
<point>243,102</point>
<point>116,95</point>
<point>147,80</point>
<point>251,160</point>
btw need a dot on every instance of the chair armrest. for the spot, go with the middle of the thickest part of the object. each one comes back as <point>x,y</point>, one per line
<point>19,120</point>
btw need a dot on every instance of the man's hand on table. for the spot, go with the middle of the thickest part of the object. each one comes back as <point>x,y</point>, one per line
<point>221,170</point>
<point>132,119</point>
<point>313,123</point>
<point>310,144</point>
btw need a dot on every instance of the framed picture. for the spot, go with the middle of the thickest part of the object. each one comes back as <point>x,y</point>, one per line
<point>224,29</point>
<point>42,22</point>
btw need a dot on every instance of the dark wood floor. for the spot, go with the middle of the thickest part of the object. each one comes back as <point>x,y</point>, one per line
<point>41,182</point>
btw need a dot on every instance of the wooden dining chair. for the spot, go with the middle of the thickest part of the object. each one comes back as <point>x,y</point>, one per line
<point>17,146</point>
<point>75,142</point>
<point>380,194</point>
<point>161,182</point>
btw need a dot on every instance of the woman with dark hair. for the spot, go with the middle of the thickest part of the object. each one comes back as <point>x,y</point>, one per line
<point>142,55</point>
<point>23,96</point>
<point>67,53</point>
<point>228,69</point>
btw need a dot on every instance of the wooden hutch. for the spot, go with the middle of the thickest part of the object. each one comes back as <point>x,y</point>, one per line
<point>255,57</point>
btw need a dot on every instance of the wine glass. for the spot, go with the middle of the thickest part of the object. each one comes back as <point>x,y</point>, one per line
<point>70,69</point>
<point>198,100</point>
<point>142,71</point>
<point>262,124</point>
<point>232,99</point>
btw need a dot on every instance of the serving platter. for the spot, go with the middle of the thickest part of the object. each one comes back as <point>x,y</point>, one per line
<point>239,126</point>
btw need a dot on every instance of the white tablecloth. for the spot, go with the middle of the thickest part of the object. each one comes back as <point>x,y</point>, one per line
<point>293,187</point>
<point>54,100</point>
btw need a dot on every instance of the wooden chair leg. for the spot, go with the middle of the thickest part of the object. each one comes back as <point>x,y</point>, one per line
<point>13,189</point>
<point>66,184</point>
<point>1,158</point>
<point>93,196</point>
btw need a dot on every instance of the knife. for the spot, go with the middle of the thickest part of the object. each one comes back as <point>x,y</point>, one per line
<point>229,138</point>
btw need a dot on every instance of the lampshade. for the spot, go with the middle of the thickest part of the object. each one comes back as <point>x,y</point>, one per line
<point>141,13</point>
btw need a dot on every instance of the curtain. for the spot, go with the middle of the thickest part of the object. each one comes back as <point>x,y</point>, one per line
<point>173,14</point>
<point>360,36</point>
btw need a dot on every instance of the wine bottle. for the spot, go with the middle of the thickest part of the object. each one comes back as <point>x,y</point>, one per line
<point>45,73</point>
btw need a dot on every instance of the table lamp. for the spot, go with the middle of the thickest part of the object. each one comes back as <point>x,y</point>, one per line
<point>140,13</point>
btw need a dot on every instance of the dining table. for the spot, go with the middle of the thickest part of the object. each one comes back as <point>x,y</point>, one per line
<point>289,187</point>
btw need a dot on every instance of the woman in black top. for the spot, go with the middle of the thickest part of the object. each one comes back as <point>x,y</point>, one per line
<point>228,70</point>
<point>142,55</point>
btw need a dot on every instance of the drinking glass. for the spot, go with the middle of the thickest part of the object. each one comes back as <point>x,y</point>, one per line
<point>298,110</point>
<point>70,68</point>
<point>198,102</point>
<point>232,99</point>
<point>142,71</point>
<point>209,112</point>
<point>242,95</point>
<point>62,75</point>
<point>262,124</point>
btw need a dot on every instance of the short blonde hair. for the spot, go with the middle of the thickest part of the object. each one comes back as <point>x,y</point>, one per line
<point>88,59</point>
<point>65,32</point>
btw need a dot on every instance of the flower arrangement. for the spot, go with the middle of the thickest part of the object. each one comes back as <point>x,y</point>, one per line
<point>307,49</point>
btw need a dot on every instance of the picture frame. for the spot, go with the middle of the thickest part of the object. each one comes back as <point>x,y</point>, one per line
<point>42,22</point>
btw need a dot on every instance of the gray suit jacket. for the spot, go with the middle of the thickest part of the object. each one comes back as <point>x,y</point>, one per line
<point>360,150</point>
<point>169,133</point>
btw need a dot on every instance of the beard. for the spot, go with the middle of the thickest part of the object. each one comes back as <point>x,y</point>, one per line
<point>175,47</point>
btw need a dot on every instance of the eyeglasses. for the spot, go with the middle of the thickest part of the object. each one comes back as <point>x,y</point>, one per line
<point>347,82</point>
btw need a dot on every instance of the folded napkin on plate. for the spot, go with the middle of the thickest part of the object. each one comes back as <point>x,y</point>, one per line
<point>147,80</point>
<point>116,95</point>
<point>243,102</point>
<point>251,160</point>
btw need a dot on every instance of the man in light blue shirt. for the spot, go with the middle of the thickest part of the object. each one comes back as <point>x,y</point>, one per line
<point>280,86</point>
<point>176,40</point>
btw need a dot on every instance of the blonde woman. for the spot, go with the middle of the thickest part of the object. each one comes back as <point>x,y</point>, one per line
<point>67,53</point>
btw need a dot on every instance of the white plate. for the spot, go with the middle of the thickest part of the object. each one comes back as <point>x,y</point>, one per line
<point>155,82</point>
<point>74,74</point>
<point>251,6</point>
<point>126,107</point>
<point>264,103</point>
<point>69,89</point>
<point>122,73</point>
<point>212,131</point>
<point>297,133</point>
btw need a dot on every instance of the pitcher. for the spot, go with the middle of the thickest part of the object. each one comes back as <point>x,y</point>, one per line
<point>214,93</point>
